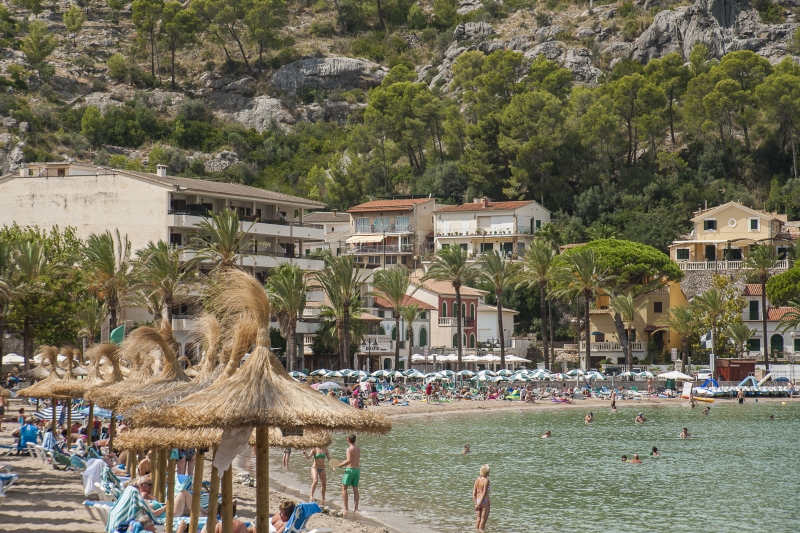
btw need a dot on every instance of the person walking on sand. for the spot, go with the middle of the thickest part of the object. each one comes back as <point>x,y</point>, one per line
<point>318,474</point>
<point>352,473</point>
<point>480,495</point>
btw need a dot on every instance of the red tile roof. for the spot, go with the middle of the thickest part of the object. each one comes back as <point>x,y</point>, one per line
<point>777,313</point>
<point>478,206</point>
<point>752,289</point>
<point>388,205</point>
<point>408,300</point>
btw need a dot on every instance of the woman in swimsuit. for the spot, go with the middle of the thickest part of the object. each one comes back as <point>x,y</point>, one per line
<point>480,495</point>
<point>318,474</point>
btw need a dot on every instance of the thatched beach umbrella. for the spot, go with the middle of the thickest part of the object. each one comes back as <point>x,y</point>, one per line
<point>5,393</point>
<point>41,388</point>
<point>40,371</point>
<point>66,388</point>
<point>261,394</point>
<point>189,370</point>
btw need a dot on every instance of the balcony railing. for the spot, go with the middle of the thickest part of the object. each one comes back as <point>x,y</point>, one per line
<point>481,232</point>
<point>378,249</point>
<point>784,264</point>
<point>451,322</point>
<point>390,228</point>
<point>246,218</point>
<point>637,346</point>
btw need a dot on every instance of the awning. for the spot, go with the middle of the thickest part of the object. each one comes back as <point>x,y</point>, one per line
<point>363,239</point>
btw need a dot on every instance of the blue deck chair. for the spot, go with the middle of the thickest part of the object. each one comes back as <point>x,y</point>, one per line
<point>302,512</point>
<point>128,507</point>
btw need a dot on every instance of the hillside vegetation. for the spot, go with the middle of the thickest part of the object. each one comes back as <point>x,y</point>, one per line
<point>610,145</point>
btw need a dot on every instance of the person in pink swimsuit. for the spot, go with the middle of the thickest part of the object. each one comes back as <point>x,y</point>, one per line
<point>480,495</point>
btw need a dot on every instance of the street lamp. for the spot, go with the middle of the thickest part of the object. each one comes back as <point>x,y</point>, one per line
<point>368,345</point>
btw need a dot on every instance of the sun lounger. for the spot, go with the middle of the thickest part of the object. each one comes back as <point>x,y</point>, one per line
<point>128,507</point>
<point>302,512</point>
<point>5,449</point>
<point>7,480</point>
<point>98,510</point>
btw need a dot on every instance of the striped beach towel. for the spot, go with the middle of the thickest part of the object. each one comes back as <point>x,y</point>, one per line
<point>129,507</point>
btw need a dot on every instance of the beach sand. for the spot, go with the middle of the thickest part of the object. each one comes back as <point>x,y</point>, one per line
<point>48,500</point>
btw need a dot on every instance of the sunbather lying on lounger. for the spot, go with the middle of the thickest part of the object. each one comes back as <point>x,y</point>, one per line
<point>183,500</point>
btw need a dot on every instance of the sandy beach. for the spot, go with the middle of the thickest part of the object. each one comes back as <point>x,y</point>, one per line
<point>49,500</point>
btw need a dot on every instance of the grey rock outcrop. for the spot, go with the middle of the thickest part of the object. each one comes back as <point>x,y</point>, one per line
<point>222,160</point>
<point>472,31</point>
<point>211,80</point>
<point>328,73</point>
<point>578,60</point>
<point>722,25</point>
<point>468,6</point>
<point>261,112</point>
<point>11,158</point>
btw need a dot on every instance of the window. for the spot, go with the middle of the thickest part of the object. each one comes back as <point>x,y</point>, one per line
<point>381,224</point>
<point>658,307</point>
<point>401,223</point>
<point>753,345</point>
<point>387,364</point>
<point>521,248</point>
<point>710,224</point>
<point>463,310</point>
<point>394,334</point>
<point>472,340</point>
<point>472,310</point>
<point>402,365</point>
<point>455,340</point>
<point>776,344</point>
<point>753,310</point>
<point>797,345</point>
<point>374,260</point>
<point>444,309</point>
<point>464,247</point>
<point>487,247</point>
<point>507,248</point>
<point>381,330</point>
<point>782,252</point>
<point>176,239</point>
<point>682,254</point>
<point>381,314</point>
<point>391,259</point>
<point>423,337</point>
<point>538,224</point>
<point>455,309</point>
<point>362,225</point>
<point>754,224</point>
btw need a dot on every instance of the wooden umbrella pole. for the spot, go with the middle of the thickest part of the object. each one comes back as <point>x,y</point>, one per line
<point>162,470</point>
<point>227,500</point>
<point>262,478</point>
<point>90,426</point>
<point>69,423</point>
<point>111,431</point>
<point>130,461</point>
<point>213,496</point>
<point>54,405</point>
<point>197,490</point>
<point>170,495</point>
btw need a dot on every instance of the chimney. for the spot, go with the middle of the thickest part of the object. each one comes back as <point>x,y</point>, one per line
<point>161,171</point>
<point>23,170</point>
<point>485,201</point>
<point>477,200</point>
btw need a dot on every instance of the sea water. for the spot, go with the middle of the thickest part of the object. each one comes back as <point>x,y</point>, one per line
<point>739,471</point>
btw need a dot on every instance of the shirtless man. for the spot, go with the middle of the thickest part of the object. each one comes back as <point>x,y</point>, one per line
<point>144,465</point>
<point>635,460</point>
<point>685,434</point>
<point>588,418</point>
<point>640,418</point>
<point>352,473</point>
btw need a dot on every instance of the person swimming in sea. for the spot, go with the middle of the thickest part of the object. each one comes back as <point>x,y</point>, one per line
<point>640,418</point>
<point>654,452</point>
<point>706,410</point>
<point>624,458</point>
<point>547,434</point>
<point>685,434</point>
<point>466,449</point>
<point>588,418</point>
<point>635,460</point>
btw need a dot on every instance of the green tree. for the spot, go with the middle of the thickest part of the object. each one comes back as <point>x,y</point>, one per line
<point>538,270</point>
<point>34,6</point>
<point>740,334</point>
<point>497,272</point>
<point>74,19</point>
<point>38,44</point>
<point>683,321</point>
<point>580,272</point>
<point>392,284</point>
<point>717,308</point>
<point>146,14</point>
<point>161,270</point>
<point>341,281</point>
<point>90,316</point>
<point>221,239</point>
<point>287,289</point>
<point>784,287</point>
<point>779,96</point>
<point>626,307</point>
<point>672,75</point>
<point>410,313</point>
<point>760,263</point>
<point>264,22</point>
<point>451,264</point>
<point>178,27</point>
<point>109,269</point>
<point>445,12</point>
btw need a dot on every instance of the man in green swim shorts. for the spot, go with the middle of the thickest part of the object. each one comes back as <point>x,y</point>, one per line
<point>352,473</point>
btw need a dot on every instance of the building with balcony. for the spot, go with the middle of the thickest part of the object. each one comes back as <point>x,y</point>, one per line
<point>483,225</point>
<point>722,237</point>
<point>443,322</point>
<point>150,207</point>
<point>335,228</point>
<point>391,232</point>
<point>781,343</point>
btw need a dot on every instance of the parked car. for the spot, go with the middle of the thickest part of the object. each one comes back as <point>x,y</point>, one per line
<point>703,373</point>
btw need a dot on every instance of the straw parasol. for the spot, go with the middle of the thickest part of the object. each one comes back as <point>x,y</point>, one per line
<point>146,438</point>
<point>40,371</point>
<point>260,393</point>
<point>189,370</point>
<point>5,393</point>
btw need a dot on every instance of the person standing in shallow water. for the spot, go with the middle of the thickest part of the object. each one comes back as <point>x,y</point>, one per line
<point>480,495</point>
<point>353,472</point>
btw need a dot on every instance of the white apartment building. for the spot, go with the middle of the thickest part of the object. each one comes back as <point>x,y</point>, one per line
<point>336,231</point>
<point>483,225</point>
<point>150,207</point>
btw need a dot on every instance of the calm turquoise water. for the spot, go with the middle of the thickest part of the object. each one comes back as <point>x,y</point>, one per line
<point>738,472</point>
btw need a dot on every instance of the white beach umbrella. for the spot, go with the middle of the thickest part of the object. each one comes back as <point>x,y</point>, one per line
<point>627,374</point>
<point>576,372</point>
<point>381,373</point>
<point>13,359</point>
<point>417,357</point>
<point>466,373</point>
<point>540,374</point>
<point>414,373</point>
<point>646,374</point>
<point>484,377</point>
<point>521,377</point>
<point>334,374</point>
<point>329,385</point>
<point>346,372</point>
<point>297,375</point>
<point>358,374</point>
<point>680,376</point>
<point>395,374</point>
<point>487,373</point>
<point>499,379</point>
<point>558,376</point>
<point>505,372</point>
<point>515,359</point>
<point>595,375</point>
<point>319,372</point>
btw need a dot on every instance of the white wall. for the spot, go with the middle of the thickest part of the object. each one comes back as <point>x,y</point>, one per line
<point>91,204</point>
<point>487,325</point>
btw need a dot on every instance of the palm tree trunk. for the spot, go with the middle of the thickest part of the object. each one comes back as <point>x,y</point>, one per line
<point>112,322</point>
<point>586,296</point>
<point>340,331</point>
<point>409,332</point>
<point>685,357</point>
<point>543,315</point>
<point>552,336</point>
<point>396,312</point>
<point>764,322</point>
<point>629,349</point>
<point>293,337</point>
<point>500,329</point>
<point>346,332</point>
<point>458,326</point>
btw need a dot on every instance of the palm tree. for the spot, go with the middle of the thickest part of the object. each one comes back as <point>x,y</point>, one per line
<point>410,313</point>
<point>90,316</point>
<point>496,271</point>
<point>221,239</point>
<point>760,263</point>
<point>161,270</point>
<point>30,274</point>
<point>287,288</point>
<point>712,304</point>
<point>341,281</point>
<point>625,306</point>
<point>6,284</point>
<point>392,284</point>
<point>581,274</point>
<point>791,320</point>
<point>450,264</point>
<point>682,320</point>
<point>740,334</point>
<point>601,231</point>
<point>109,269</point>
<point>538,270</point>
